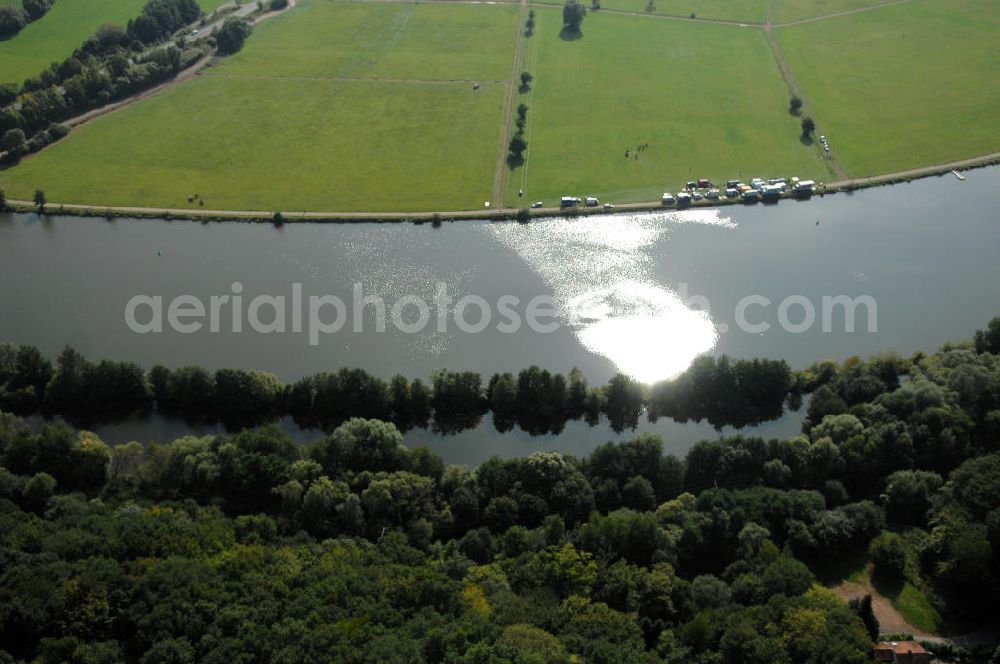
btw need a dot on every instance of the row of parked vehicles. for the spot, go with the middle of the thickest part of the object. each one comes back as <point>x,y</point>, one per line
<point>758,189</point>
<point>695,190</point>
<point>573,201</point>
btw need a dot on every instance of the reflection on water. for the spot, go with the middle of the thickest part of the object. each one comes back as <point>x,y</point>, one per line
<point>647,331</point>
<point>926,251</point>
<point>601,272</point>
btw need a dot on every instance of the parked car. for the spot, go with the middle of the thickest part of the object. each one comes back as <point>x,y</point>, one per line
<point>537,204</point>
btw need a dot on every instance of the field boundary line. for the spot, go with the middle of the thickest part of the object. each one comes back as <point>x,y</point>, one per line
<point>500,172</point>
<point>666,17</point>
<point>846,12</point>
<point>359,79</point>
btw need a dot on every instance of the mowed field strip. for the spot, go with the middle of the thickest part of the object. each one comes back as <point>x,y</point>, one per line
<point>61,30</point>
<point>370,106</point>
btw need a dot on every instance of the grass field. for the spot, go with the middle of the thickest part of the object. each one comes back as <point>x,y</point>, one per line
<point>57,34</point>
<point>751,11</point>
<point>267,141</point>
<point>369,106</point>
<point>903,86</point>
<point>392,41</point>
<point>731,10</point>
<point>707,99</point>
<point>784,11</point>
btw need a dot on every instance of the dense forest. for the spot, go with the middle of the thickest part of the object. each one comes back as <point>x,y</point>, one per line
<point>248,547</point>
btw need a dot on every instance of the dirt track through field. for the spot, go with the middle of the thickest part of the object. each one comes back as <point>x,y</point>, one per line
<point>500,172</point>
<point>890,621</point>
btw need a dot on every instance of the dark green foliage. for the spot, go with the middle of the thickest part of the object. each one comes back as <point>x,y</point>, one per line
<point>725,392</point>
<point>863,607</point>
<point>161,18</point>
<point>230,37</point>
<point>988,340</point>
<point>249,547</point>
<point>888,555</point>
<point>908,495</point>
<point>12,20</point>
<point>35,9</point>
<point>526,79</point>
<point>13,142</point>
<point>573,14</point>
<point>795,105</point>
<point>808,127</point>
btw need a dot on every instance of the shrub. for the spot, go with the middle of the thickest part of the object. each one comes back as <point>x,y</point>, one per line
<point>232,35</point>
<point>12,20</point>
<point>888,555</point>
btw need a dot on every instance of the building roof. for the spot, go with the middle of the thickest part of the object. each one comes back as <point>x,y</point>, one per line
<point>902,647</point>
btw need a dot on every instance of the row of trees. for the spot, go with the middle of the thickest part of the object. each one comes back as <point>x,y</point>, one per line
<point>722,391</point>
<point>13,18</point>
<point>518,144</point>
<point>726,392</point>
<point>251,547</point>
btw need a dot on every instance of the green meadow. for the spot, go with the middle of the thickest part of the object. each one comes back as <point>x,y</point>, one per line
<point>903,86</point>
<point>254,137</point>
<point>382,40</point>
<point>785,11</point>
<point>56,35</point>
<point>729,10</point>
<point>707,99</point>
<point>751,11</point>
<point>371,106</point>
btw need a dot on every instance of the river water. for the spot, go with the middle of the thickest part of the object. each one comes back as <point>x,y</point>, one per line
<point>639,293</point>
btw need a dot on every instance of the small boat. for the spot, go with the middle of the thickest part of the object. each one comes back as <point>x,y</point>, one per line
<point>958,175</point>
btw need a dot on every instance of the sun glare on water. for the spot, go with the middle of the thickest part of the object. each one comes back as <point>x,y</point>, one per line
<point>601,273</point>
